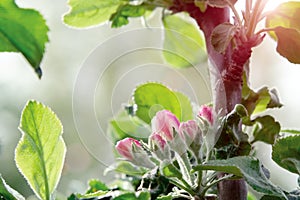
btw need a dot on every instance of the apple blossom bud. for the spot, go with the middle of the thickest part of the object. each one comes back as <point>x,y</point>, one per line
<point>158,141</point>
<point>159,147</point>
<point>125,147</point>
<point>133,151</point>
<point>206,112</point>
<point>165,123</point>
<point>189,130</point>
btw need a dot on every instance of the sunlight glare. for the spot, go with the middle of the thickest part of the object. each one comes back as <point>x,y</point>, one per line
<point>271,5</point>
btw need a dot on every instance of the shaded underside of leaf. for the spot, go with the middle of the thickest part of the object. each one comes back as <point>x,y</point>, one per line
<point>266,129</point>
<point>257,102</point>
<point>286,153</point>
<point>41,151</point>
<point>85,13</point>
<point>24,31</point>
<point>247,167</point>
<point>221,3</point>
<point>288,43</point>
<point>285,21</point>
<point>222,36</point>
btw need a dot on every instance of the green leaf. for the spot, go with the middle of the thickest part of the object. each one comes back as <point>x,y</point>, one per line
<point>259,101</point>
<point>290,196</point>
<point>89,13</point>
<point>168,197</point>
<point>144,196</point>
<point>125,167</point>
<point>286,153</point>
<point>7,193</point>
<point>266,129</point>
<point>267,197</point>
<point>202,5</point>
<point>94,195</point>
<point>126,196</point>
<point>120,17</point>
<point>286,23</point>
<point>185,104</point>
<point>126,125</point>
<point>285,15</point>
<point>291,131</point>
<point>250,196</point>
<point>169,170</point>
<point>153,97</point>
<point>134,196</point>
<point>247,167</point>
<point>183,43</point>
<point>41,151</point>
<point>96,185</point>
<point>234,141</point>
<point>24,31</point>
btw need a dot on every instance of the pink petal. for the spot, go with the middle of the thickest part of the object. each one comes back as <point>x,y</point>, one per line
<point>207,113</point>
<point>164,122</point>
<point>124,147</point>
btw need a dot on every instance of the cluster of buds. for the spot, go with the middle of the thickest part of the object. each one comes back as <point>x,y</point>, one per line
<point>169,137</point>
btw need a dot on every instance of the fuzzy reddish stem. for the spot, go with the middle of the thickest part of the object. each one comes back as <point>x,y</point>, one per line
<point>226,72</point>
<point>226,69</point>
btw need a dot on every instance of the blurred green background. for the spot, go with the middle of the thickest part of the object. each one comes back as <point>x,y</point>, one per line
<point>65,54</point>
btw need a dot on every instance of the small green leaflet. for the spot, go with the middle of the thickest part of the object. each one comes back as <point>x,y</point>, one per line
<point>168,197</point>
<point>96,185</point>
<point>120,18</point>
<point>266,129</point>
<point>183,43</point>
<point>85,13</point>
<point>41,151</point>
<point>24,31</point>
<point>247,167</point>
<point>126,167</point>
<point>257,102</point>
<point>153,97</point>
<point>286,24</point>
<point>7,193</point>
<point>95,195</point>
<point>286,153</point>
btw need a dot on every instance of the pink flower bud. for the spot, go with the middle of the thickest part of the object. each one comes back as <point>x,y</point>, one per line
<point>191,132</point>
<point>158,141</point>
<point>189,129</point>
<point>206,112</point>
<point>159,147</point>
<point>165,123</point>
<point>125,147</point>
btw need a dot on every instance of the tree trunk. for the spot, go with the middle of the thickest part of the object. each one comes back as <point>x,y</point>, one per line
<point>226,79</point>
